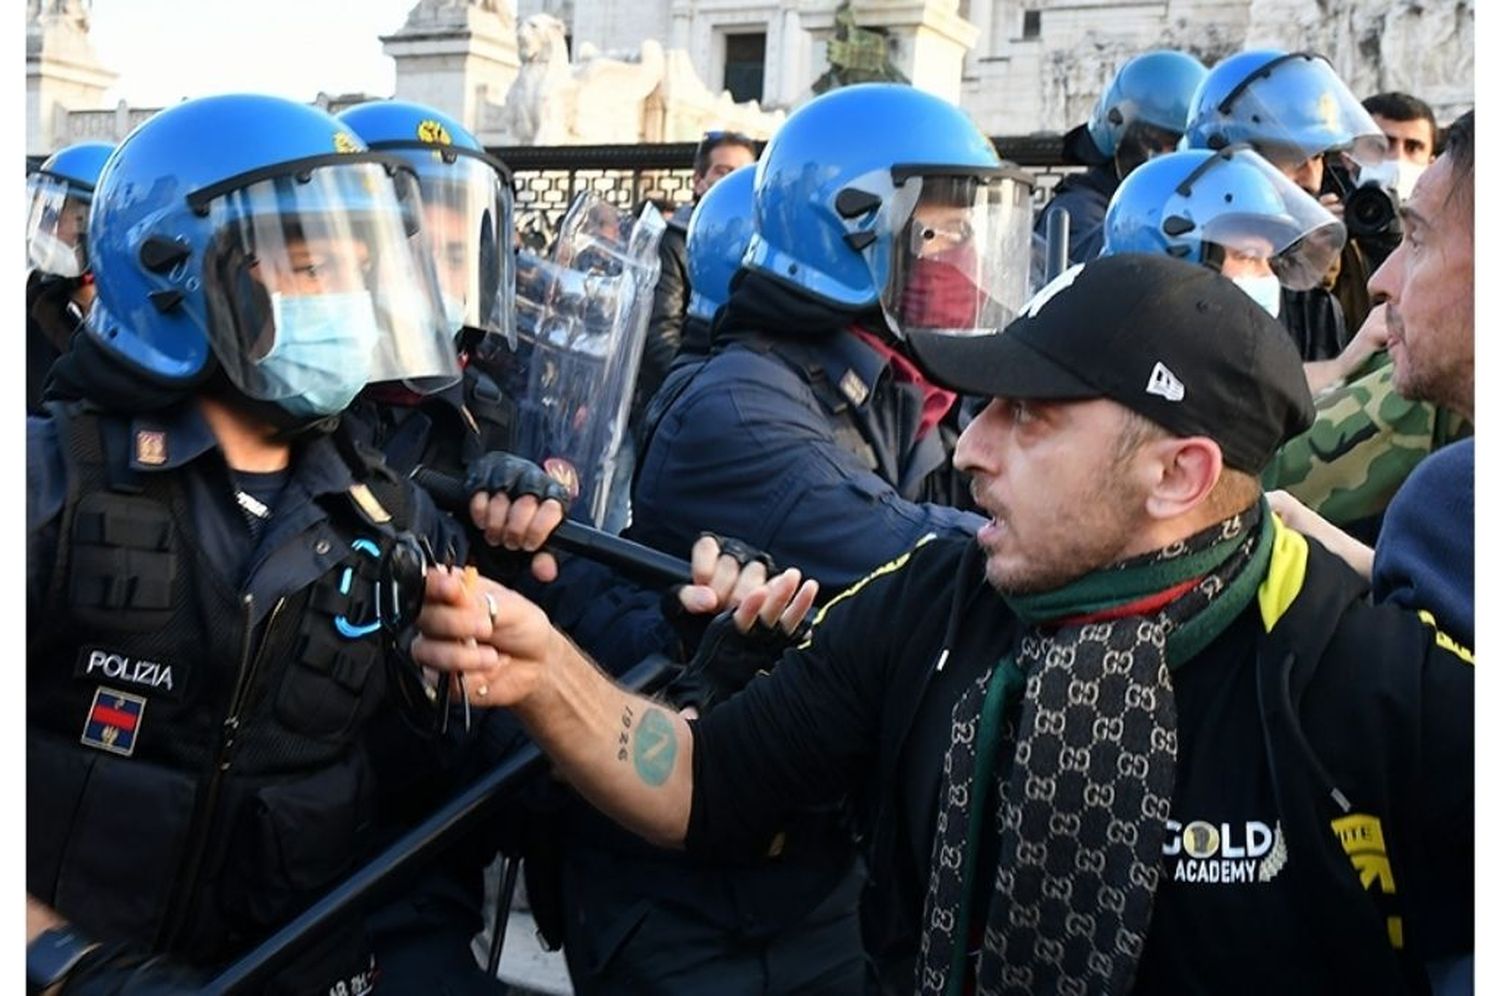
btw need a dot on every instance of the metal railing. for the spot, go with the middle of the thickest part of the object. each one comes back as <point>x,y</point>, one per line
<point>396,863</point>
<point>547,177</point>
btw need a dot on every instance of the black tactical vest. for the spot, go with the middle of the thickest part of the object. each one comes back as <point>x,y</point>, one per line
<point>193,781</point>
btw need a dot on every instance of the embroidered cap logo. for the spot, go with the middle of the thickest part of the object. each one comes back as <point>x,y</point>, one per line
<point>1164,384</point>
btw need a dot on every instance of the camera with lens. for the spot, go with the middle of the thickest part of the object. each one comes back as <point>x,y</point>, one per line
<point>1371,204</point>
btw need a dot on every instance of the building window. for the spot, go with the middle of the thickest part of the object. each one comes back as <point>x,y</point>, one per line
<point>745,66</point>
<point>1031,24</point>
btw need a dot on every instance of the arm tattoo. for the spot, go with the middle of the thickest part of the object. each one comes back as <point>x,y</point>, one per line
<point>655,751</point>
<point>626,719</point>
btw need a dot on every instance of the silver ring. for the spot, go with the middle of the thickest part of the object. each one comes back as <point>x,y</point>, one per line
<point>494,610</point>
<point>481,691</point>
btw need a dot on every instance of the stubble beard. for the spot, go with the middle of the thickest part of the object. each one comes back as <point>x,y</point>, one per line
<point>1094,534</point>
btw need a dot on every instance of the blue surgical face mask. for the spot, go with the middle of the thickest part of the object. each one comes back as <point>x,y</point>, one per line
<point>322,354</point>
<point>1265,290</point>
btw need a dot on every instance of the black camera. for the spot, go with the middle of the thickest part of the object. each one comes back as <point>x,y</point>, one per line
<point>1371,211</point>
<point>1371,207</point>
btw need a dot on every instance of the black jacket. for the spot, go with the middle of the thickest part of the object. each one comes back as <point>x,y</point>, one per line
<point>1315,321</point>
<point>1337,695</point>
<point>668,311</point>
<point>51,320</point>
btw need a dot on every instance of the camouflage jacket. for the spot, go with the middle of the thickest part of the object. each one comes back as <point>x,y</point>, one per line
<point>1366,440</point>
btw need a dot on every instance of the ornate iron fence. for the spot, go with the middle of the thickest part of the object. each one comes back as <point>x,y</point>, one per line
<point>547,177</point>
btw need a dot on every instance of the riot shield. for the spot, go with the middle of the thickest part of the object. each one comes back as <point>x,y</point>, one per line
<point>581,315</point>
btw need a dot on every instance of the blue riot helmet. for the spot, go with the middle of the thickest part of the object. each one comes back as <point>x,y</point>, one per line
<point>717,235</point>
<point>1145,107</point>
<point>469,208</point>
<point>1288,106</point>
<point>884,198</point>
<point>58,196</point>
<point>1230,210</point>
<point>260,236</point>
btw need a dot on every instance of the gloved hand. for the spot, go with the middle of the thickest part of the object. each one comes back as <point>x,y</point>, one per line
<point>516,505</point>
<point>725,570</point>
<point>738,645</point>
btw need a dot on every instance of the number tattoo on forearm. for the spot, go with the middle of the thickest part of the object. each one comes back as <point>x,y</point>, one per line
<point>654,752</point>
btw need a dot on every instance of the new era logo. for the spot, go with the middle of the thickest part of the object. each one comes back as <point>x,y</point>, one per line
<point>1164,384</point>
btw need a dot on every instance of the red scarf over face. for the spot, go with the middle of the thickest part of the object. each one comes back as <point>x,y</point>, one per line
<point>935,400</point>
<point>940,294</point>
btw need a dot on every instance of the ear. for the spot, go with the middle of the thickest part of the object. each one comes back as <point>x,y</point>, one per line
<point>1184,472</point>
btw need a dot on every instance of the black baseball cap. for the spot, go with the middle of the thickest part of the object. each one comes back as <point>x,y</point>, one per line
<point>1173,341</point>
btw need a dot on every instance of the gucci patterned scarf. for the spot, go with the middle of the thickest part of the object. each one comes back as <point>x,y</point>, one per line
<point>1070,746</point>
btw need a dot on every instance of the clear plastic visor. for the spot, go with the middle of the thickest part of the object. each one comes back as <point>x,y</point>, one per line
<point>1263,222</point>
<point>56,226</point>
<point>961,258</point>
<point>327,272</point>
<point>468,212</point>
<point>1303,109</point>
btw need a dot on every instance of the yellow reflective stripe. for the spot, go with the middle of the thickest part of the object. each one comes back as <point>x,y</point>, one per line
<point>1444,640</point>
<point>1284,577</point>
<point>1394,932</point>
<point>886,568</point>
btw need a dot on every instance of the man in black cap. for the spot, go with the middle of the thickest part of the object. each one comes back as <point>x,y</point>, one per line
<point>1166,748</point>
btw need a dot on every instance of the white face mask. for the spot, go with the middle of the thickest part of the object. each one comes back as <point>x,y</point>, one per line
<point>50,254</point>
<point>1382,174</point>
<point>1406,178</point>
<point>1264,291</point>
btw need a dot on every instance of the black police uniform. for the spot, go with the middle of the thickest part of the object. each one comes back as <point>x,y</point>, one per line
<point>200,676</point>
<point>1342,730</point>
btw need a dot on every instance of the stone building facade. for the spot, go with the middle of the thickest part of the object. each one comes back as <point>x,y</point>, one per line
<point>1018,66</point>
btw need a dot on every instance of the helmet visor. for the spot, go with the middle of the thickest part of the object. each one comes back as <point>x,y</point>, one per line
<point>468,212</point>
<point>1297,107</point>
<point>1243,204</point>
<point>56,226</point>
<point>321,282</point>
<point>961,262</point>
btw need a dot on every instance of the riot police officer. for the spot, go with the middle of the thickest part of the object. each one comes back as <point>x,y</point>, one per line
<point>1142,113</point>
<point>59,287</point>
<point>810,432</point>
<point>206,641</point>
<point>1293,109</point>
<point>1231,211</point>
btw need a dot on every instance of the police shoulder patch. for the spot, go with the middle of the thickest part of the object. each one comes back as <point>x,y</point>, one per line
<point>114,721</point>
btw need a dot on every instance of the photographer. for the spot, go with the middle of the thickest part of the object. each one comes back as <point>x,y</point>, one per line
<point>1370,198</point>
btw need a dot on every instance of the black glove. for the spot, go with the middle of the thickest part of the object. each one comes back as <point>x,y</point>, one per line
<point>727,659</point>
<point>742,552</point>
<point>691,626</point>
<point>123,970</point>
<point>512,476</point>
